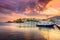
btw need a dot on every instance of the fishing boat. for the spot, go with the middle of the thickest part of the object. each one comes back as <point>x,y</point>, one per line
<point>45,24</point>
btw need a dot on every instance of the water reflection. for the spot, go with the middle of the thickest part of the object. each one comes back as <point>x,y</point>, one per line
<point>13,31</point>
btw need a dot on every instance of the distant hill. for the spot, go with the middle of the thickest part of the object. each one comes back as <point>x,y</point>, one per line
<point>56,17</point>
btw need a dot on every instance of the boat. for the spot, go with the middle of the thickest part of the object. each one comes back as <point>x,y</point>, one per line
<point>45,24</point>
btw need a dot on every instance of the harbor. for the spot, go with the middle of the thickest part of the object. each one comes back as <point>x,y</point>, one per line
<point>29,19</point>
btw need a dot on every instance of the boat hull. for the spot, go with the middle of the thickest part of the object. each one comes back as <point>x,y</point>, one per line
<point>46,26</point>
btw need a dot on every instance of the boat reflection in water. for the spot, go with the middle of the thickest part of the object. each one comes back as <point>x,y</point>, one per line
<point>13,31</point>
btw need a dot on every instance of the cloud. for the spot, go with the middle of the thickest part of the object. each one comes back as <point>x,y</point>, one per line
<point>55,4</point>
<point>20,5</point>
<point>13,9</point>
<point>12,16</point>
<point>44,2</point>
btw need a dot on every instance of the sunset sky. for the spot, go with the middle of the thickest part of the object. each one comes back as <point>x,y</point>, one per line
<point>14,9</point>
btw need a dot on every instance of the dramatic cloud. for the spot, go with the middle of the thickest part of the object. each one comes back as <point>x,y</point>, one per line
<point>20,5</point>
<point>13,9</point>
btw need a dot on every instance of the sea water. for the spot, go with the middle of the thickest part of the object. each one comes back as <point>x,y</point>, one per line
<point>27,31</point>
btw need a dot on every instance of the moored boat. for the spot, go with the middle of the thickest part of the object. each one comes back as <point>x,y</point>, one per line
<point>46,24</point>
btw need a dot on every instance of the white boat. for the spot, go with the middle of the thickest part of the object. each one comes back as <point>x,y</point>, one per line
<point>46,24</point>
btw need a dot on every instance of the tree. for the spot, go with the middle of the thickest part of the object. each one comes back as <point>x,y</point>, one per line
<point>18,21</point>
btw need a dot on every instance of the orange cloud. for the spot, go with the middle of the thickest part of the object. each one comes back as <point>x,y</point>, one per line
<point>52,9</point>
<point>12,16</point>
<point>55,4</point>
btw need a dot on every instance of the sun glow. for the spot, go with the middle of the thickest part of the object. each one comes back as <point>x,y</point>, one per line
<point>51,11</point>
